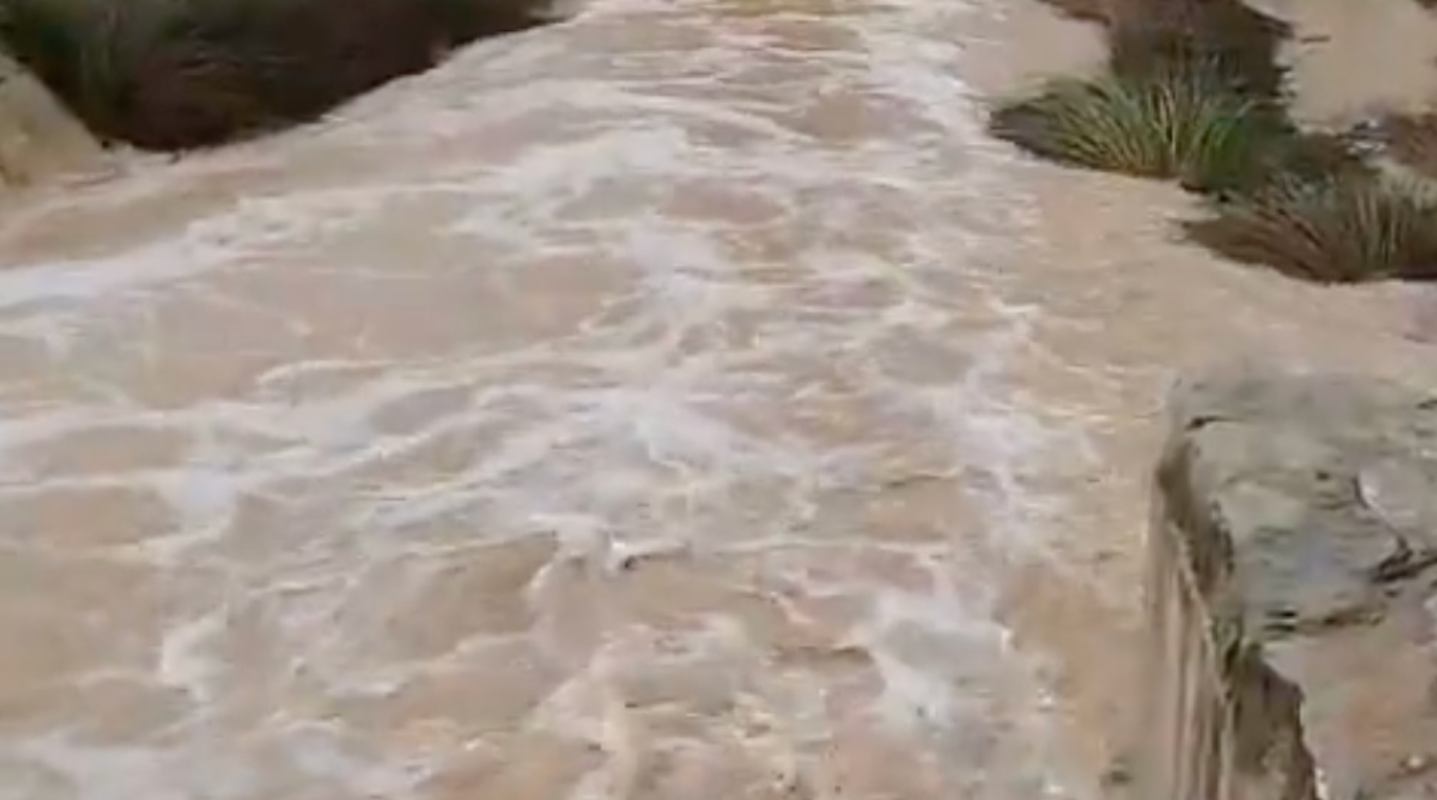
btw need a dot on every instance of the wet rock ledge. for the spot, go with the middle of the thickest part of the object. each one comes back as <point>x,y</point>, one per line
<point>1293,593</point>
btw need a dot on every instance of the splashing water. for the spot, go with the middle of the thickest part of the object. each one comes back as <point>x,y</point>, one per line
<point>667,403</point>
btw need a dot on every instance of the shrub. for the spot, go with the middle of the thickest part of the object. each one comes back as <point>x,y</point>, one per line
<point>1236,44</point>
<point>168,74</point>
<point>1349,228</point>
<point>1176,124</point>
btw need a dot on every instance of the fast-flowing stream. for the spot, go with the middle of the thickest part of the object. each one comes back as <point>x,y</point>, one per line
<point>688,400</point>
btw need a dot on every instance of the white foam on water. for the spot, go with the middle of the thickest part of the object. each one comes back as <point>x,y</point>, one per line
<point>659,306</point>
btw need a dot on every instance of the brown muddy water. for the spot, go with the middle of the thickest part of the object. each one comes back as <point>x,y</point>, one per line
<point>687,400</point>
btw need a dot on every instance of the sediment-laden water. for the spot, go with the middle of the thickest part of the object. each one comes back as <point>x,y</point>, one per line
<point>687,400</point>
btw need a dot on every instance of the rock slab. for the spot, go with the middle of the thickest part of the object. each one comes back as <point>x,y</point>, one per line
<point>1293,592</point>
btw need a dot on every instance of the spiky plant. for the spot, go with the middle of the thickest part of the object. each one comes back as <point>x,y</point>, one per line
<point>1354,227</point>
<point>1182,124</point>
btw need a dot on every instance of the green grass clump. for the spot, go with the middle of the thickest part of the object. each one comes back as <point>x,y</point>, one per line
<point>1348,228</point>
<point>1181,124</point>
<point>1195,93</point>
<point>170,74</point>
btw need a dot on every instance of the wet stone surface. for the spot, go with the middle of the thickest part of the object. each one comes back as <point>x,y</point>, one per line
<point>1301,512</point>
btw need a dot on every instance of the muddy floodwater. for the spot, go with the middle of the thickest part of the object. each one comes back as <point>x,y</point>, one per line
<point>689,400</point>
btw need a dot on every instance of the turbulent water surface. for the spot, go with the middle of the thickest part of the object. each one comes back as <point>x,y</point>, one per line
<point>684,401</point>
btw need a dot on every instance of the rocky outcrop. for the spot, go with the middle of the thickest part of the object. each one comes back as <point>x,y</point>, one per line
<point>38,136</point>
<point>1293,592</point>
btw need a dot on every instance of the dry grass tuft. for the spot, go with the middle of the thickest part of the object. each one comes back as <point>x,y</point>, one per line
<point>1346,229</point>
<point>1183,125</point>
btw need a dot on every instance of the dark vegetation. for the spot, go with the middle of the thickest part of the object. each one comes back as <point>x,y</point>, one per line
<point>171,74</point>
<point>1193,93</point>
<point>1162,125</point>
<point>1412,140</point>
<point>1331,230</point>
